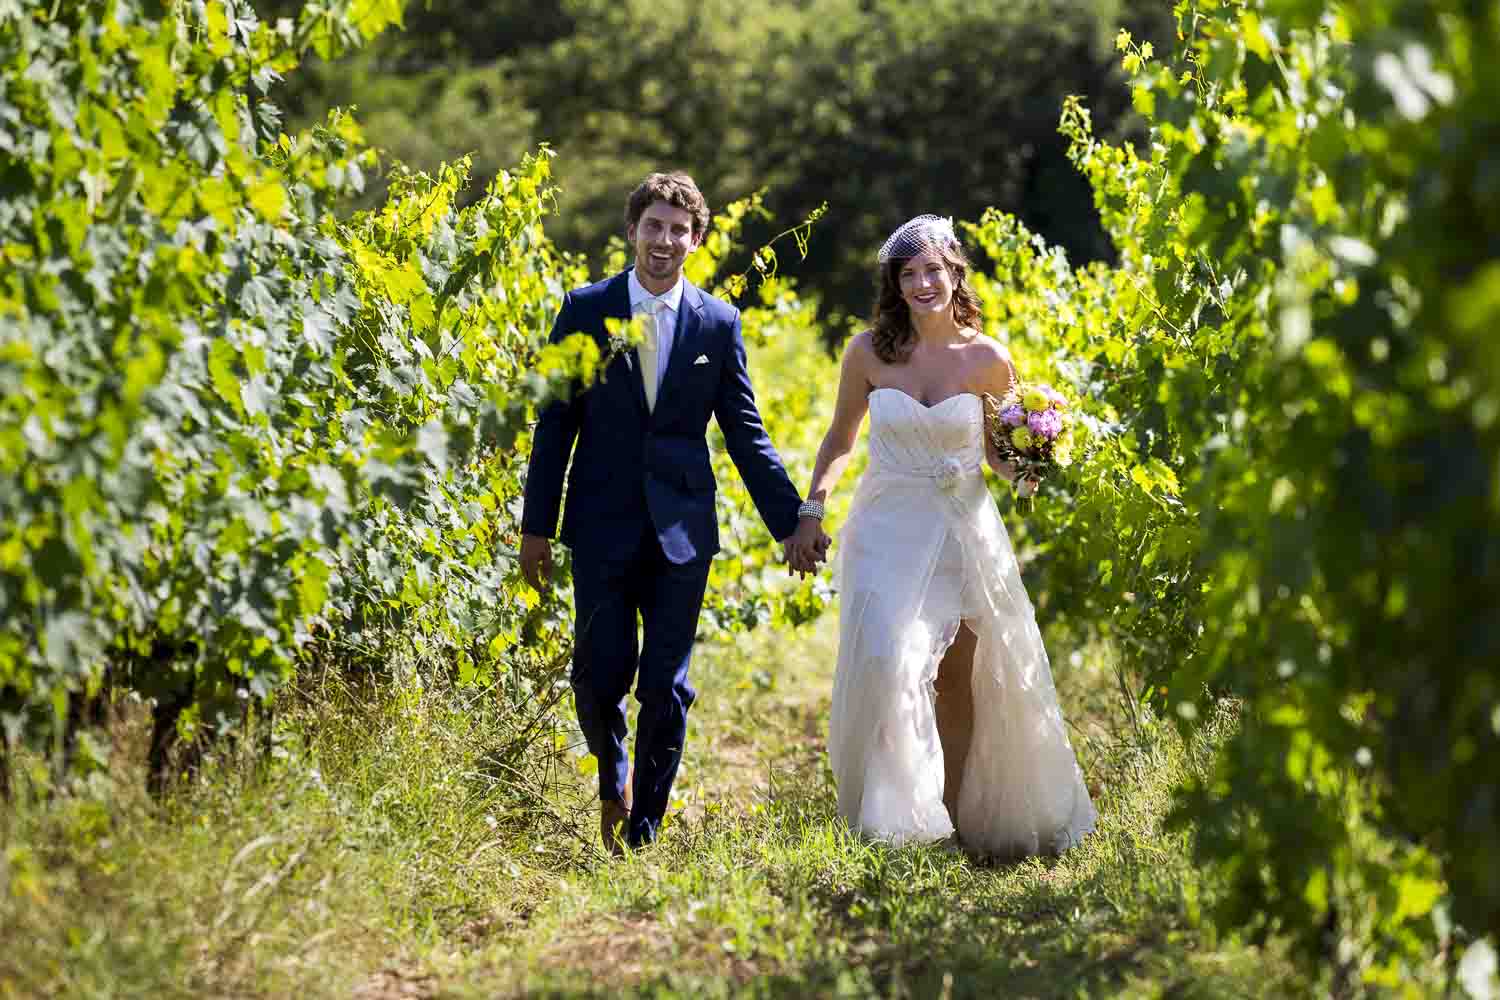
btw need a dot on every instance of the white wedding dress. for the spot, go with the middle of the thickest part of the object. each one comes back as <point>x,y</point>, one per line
<point>924,549</point>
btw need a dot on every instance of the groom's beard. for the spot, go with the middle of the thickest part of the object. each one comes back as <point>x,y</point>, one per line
<point>660,268</point>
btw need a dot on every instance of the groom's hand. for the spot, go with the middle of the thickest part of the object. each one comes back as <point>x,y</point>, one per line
<point>790,556</point>
<point>536,561</point>
<point>806,547</point>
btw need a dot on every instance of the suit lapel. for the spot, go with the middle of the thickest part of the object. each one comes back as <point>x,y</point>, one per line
<point>617,306</point>
<point>684,342</point>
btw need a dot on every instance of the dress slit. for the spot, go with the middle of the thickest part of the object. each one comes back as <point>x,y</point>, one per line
<point>924,555</point>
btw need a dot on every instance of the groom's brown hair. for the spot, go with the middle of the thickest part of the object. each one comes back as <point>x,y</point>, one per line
<point>676,189</point>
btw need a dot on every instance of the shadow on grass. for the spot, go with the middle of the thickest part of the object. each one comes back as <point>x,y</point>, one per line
<point>1045,946</point>
<point>822,913</point>
<point>1110,918</point>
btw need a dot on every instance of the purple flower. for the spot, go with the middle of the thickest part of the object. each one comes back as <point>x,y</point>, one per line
<point>1047,424</point>
<point>1013,416</point>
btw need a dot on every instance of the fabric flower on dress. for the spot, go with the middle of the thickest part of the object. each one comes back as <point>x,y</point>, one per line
<point>949,474</point>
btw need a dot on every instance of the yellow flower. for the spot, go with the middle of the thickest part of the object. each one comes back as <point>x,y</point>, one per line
<point>1063,456</point>
<point>1021,438</point>
<point>1035,400</point>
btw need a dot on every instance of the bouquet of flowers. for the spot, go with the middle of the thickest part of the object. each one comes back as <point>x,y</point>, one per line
<point>1031,429</point>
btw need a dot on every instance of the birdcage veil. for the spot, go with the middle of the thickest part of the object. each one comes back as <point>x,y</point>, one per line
<point>918,236</point>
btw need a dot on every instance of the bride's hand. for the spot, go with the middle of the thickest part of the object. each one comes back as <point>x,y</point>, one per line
<point>822,544</point>
<point>1026,485</point>
<point>806,546</point>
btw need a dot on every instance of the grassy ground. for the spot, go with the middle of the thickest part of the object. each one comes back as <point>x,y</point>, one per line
<point>423,843</point>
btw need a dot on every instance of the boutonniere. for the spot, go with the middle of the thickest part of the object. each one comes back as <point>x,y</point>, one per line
<point>618,340</point>
<point>618,344</point>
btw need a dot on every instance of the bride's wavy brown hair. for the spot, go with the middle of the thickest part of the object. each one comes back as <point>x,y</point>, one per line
<point>891,327</point>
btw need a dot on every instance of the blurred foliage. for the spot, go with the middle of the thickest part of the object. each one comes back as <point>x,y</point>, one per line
<point>880,109</point>
<point>1293,491</point>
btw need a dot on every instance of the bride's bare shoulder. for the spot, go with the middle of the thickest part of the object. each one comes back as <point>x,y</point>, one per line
<point>859,352</point>
<point>862,342</point>
<point>990,359</point>
<point>988,349</point>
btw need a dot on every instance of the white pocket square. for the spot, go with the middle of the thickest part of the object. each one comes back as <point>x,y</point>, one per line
<point>701,359</point>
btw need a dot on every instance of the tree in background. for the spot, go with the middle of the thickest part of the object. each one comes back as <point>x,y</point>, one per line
<point>434,91</point>
<point>877,108</point>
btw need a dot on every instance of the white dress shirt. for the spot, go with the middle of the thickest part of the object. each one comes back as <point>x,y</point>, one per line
<point>666,328</point>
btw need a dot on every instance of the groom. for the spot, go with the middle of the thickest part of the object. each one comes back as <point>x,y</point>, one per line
<point>639,515</point>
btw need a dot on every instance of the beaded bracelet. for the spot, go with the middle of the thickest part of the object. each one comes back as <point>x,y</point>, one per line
<point>812,509</point>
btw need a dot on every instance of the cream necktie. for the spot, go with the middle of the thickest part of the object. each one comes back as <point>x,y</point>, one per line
<point>647,350</point>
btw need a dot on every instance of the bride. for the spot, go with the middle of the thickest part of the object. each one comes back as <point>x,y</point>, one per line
<point>944,713</point>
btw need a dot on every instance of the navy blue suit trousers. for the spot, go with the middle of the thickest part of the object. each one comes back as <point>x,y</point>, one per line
<point>639,515</point>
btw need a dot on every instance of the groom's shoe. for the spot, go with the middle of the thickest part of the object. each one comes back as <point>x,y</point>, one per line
<point>614,817</point>
<point>614,820</point>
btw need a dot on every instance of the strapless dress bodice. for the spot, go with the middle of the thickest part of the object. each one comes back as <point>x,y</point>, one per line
<point>941,442</point>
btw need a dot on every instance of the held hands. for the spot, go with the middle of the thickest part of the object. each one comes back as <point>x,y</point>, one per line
<point>806,547</point>
<point>803,551</point>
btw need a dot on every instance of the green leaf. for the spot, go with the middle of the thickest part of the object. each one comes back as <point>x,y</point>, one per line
<point>269,200</point>
<point>312,587</point>
<point>222,360</point>
<point>1144,101</point>
<point>1416,896</point>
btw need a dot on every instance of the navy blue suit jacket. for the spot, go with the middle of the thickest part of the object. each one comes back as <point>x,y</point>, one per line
<point>630,464</point>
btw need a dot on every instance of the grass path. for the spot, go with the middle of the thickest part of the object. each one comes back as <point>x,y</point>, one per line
<point>757,890</point>
<point>400,846</point>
